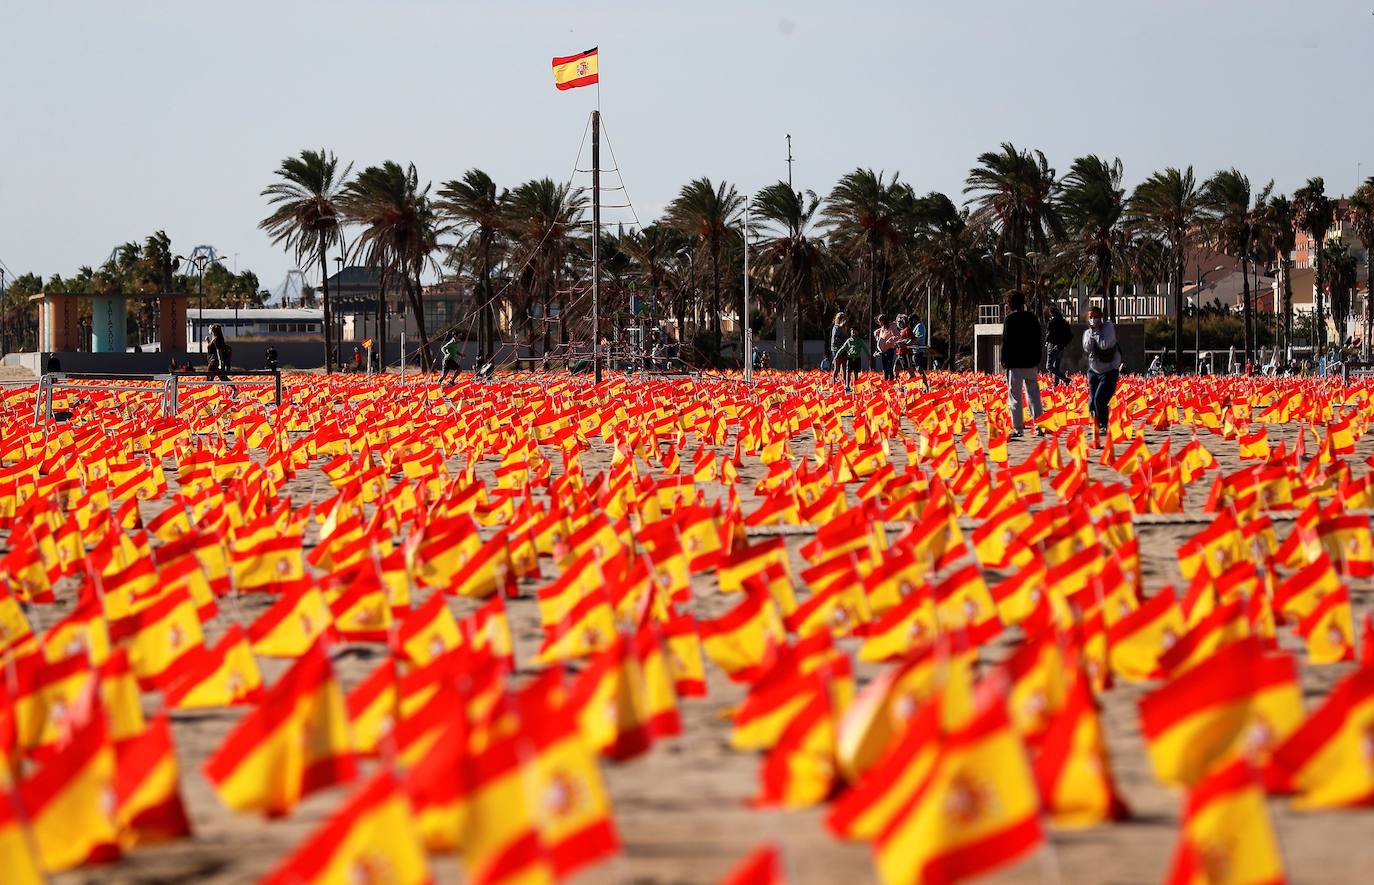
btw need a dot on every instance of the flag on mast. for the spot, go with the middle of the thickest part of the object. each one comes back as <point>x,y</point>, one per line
<point>572,71</point>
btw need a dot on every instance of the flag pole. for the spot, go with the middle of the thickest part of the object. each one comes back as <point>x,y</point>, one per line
<point>596,238</point>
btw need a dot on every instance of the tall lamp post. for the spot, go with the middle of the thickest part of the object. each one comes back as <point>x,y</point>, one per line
<point>200,261</point>
<point>1032,260</point>
<point>336,322</point>
<point>1197,318</point>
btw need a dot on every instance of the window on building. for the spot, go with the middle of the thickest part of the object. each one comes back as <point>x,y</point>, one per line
<point>438,315</point>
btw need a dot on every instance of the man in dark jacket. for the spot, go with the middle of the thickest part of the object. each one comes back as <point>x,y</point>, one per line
<point>1057,337</point>
<point>1021,359</point>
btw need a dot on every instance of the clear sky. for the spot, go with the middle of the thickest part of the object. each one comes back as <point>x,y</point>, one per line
<point>119,118</point>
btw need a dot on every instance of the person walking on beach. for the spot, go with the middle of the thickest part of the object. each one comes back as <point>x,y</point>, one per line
<point>220,357</point>
<point>920,353</point>
<point>453,352</point>
<point>1021,359</point>
<point>854,349</point>
<point>839,334</point>
<point>1057,337</point>
<point>885,340</point>
<point>1104,368</point>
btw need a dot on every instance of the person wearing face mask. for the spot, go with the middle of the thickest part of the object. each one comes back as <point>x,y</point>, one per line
<point>1104,368</point>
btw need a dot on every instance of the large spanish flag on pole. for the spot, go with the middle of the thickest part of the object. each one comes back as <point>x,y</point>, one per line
<point>572,71</point>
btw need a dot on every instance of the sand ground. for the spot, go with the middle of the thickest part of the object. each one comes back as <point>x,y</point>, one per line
<point>681,809</point>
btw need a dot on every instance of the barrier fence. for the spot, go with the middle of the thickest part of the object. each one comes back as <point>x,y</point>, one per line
<point>168,385</point>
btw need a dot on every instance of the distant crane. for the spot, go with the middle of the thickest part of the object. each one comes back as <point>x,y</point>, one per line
<point>294,282</point>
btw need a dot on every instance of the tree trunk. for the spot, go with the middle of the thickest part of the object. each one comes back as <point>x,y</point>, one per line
<point>680,303</point>
<point>1287,303</point>
<point>413,295</point>
<point>950,348</point>
<point>544,324</point>
<point>872,307</point>
<point>380,331</point>
<point>1319,333</point>
<point>797,328</point>
<point>1247,316</point>
<point>1178,308</point>
<point>328,331</point>
<point>1104,278</point>
<point>485,322</point>
<point>1368,291</point>
<point>715,304</point>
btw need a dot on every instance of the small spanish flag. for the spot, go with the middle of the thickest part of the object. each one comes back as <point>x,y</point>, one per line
<point>572,71</point>
<point>367,344</point>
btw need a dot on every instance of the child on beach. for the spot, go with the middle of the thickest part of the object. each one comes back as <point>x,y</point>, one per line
<point>852,352</point>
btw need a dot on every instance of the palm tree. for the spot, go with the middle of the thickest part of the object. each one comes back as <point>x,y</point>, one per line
<point>1166,205</point>
<point>306,218</point>
<point>1360,214</point>
<point>656,254</point>
<point>1232,227</point>
<point>791,261</point>
<point>1091,205</point>
<point>862,215</point>
<point>709,214</point>
<point>1342,272</point>
<point>950,253</point>
<point>1282,238</point>
<point>543,216</point>
<point>1014,194</point>
<point>400,230</point>
<point>476,209</point>
<point>1313,214</point>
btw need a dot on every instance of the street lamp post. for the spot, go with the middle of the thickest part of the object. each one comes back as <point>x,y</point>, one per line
<point>1197,318</point>
<point>200,261</point>
<point>331,355</point>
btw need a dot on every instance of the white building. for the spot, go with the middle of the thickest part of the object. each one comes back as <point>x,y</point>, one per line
<point>275,324</point>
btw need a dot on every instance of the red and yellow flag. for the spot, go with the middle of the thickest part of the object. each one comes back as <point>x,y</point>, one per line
<point>571,71</point>
<point>1226,835</point>
<point>20,856</point>
<point>70,799</point>
<point>977,810</point>
<point>762,866</point>
<point>296,742</point>
<point>147,788</point>
<point>1326,761</point>
<point>1243,702</point>
<point>372,838</point>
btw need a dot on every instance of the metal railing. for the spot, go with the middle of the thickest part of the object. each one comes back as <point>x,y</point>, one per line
<point>169,392</point>
<point>271,377</point>
<point>52,381</point>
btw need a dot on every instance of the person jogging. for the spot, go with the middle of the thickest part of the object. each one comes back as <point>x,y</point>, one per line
<point>453,353</point>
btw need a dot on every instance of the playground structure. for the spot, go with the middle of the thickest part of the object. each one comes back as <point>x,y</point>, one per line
<point>167,385</point>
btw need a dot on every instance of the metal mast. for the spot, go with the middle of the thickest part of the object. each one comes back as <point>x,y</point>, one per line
<point>596,245</point>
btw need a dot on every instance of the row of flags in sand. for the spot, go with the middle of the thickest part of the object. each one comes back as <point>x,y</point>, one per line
<point>996,613</point>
